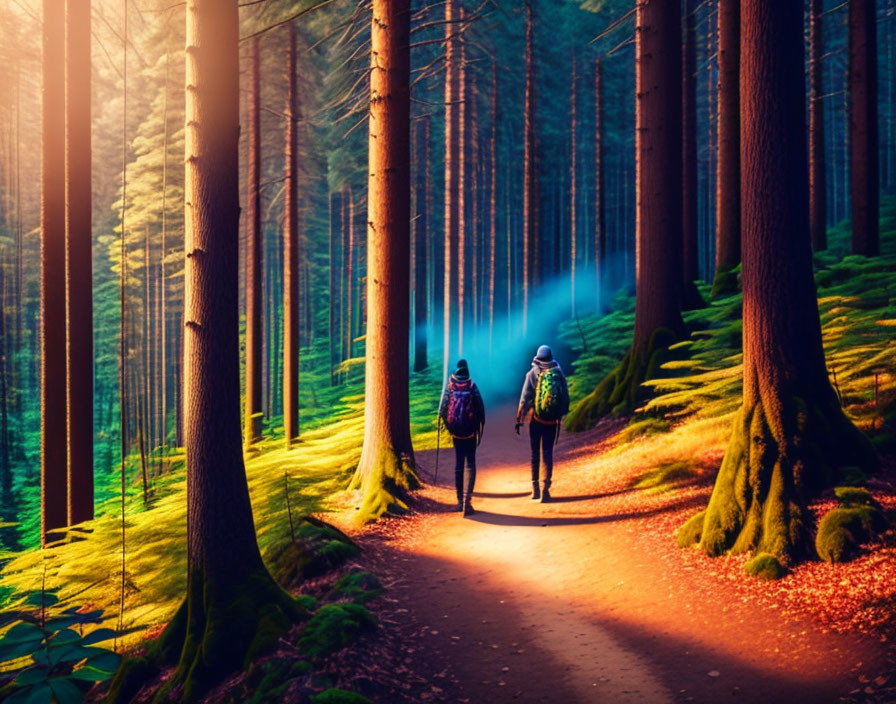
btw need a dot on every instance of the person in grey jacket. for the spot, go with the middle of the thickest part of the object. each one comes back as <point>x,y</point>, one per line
<point>542,432</point>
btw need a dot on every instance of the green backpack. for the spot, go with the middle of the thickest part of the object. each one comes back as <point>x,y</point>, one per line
<point>551,401</point>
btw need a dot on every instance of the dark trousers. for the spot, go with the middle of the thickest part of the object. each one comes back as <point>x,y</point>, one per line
<point>541,440</point>
<point>464,454</point>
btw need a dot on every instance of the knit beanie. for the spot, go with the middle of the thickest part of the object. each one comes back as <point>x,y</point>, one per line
<point>544,354</point>
<point>462,371</point>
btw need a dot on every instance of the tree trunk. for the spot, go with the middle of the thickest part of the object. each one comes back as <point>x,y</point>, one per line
<point>452,185</point>
<point>690,296</point>
<point>334,303</point>
<point>385,473</point>
<point>461,268</point>
<point>572,188</point>
<point>817,193</point>
<point>530,178</point>
<point>658,152</point>
<point>863,140</point>
<point>254,295</point>
<point>600,246</point>
<point>233,610</point>
<point>421,233</point>
<point>493,205</point>
<point>790,437</point>
<point>54,475</point>
<point>350,273</point>
<point>728,249</point>
<point>79,266</point>
<point>162,268</point>
<point>291,255</point>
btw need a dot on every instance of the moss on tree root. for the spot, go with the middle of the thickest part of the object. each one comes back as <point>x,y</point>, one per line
<point>384,484</point>
<point>619,392</point>
<point>220,630</point>
<point>774,463</point>
<point>725,283</point>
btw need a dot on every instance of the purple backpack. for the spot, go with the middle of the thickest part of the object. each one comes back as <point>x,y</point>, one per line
<point>460,414</point>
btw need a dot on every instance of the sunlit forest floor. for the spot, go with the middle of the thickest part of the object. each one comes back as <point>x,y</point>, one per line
<point>578,586</point>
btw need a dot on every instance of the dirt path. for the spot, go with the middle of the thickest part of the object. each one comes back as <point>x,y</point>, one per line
<point>571,602</point>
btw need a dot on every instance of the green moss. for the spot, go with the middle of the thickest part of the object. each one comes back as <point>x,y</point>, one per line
<point>359,586</point>
<point>333,627</point>
<point>843,529</point>
<point>765,566</point>
<point>691,531</point>
<point>725,283</point>
<point>781,452</point>
<point>229,624</point>
<point>849,496</point>
<point>620,391</point>
<point>665,477</point>
<point>643,427</point>
<point>383,482</point>
<point>339,696</point>
<point>318,548</point>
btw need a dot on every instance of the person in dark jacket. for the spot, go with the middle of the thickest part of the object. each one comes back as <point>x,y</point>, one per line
<point>542,433</point>
<point>463,413</point>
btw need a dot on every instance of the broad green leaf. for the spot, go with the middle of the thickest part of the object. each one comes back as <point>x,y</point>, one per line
<point>64,637</point>
<point>32,675</point>
<point>20,640</point>
<point>108,661</point>
<point>91,674</point>
<point>42,599</point>
<point>98,636</point>
<point>66,692</point>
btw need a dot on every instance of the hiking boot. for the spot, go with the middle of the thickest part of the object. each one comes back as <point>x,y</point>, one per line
<point>468,509</point>
<point>536,492</point>
<point>458,506</point>
<point>545,496</point>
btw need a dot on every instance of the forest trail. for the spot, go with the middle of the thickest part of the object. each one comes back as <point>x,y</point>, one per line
<point>578,601</point>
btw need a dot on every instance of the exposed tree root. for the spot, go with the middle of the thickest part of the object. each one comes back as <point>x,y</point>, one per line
<point>384,483</point>
<point>776,460</point>
<point>725,283</point>
<point>620,390</point>
<point>224,628</point>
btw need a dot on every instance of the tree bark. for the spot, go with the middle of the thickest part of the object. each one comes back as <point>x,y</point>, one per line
<point>728,169</point>
<point>421,233</point>
<point>254,263</point>
<point>461,268</point>
<point>493,205</point>
<point>452,185</point>
<point>658,154</point>
<point>54,473</point>
<point>385,473</point>
<point>334,302</point>
<point>790,437</point>
<point>79,263</point>
<point>690,296</point>
<point>600,246</point>
<point>572,188</point>
<point>863,130</point>
<point>233,610</point>
<point>530,178</point>
<point>291,255</point>
<point>817,185</point>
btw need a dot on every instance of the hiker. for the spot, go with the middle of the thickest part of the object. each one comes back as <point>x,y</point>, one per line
<point>546,394</point>
<point>463,413</point>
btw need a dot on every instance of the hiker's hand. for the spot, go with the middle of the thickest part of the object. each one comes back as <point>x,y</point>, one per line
<point>518,426</point>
